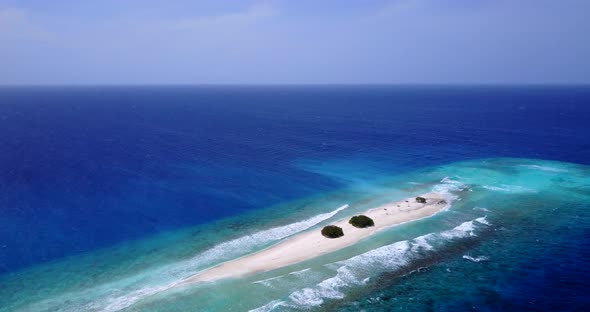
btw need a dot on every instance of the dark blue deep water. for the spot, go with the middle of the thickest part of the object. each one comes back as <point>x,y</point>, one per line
<point>83,168</point>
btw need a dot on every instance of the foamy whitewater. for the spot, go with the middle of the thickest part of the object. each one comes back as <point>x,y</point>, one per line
<point>168,276</point>
<point>359,269</point>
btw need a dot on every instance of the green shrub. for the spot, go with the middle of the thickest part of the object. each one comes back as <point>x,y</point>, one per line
<point>361,221</point>
<point>421,200</point>
<point>332,231</point>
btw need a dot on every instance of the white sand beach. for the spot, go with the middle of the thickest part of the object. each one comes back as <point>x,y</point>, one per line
<point>312,244</point>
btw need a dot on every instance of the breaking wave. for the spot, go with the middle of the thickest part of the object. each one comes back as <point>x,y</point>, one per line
<point>357,270</point>
<point>509,188</point>
<point>120,294</point>
<point>476,259</point>
<point>247,243</point>
<point>447,186</point>
<point>269,306</point>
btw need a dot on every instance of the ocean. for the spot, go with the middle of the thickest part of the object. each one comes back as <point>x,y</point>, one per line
<point>110,194</point>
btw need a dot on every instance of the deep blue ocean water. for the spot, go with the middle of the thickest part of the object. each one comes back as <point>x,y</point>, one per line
<point>88,168</point>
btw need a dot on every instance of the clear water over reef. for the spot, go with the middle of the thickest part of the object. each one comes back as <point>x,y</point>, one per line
<point>110,195</point>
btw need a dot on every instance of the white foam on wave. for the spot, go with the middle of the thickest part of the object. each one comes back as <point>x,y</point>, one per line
<point>120,294</point>
<point>483,220</point>
<point>267,282</point>
<point>509,188</point>
<point>544,168</point>
<point>447,186</point>
<point>481,209</point>
<point>465,229</point>
<point>476,259</point>
<point>421,243</point>
<point>269,306</point>
<point>327,289</point>
<point>122,302</point>
<point>246,243</point>
<point>390,258</point>
<point>300,272</point>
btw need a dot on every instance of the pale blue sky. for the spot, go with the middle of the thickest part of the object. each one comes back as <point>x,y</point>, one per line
<point>293,42</point>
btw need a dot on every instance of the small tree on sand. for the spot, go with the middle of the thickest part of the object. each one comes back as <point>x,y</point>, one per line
<point>421,200</point>
<point>332,231</point>
<point>361,221</point>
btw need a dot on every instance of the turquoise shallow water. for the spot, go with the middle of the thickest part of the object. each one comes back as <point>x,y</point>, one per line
<point>517,230</point>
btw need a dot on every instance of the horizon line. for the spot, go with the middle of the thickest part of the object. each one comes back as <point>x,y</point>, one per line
<point>577,84</point>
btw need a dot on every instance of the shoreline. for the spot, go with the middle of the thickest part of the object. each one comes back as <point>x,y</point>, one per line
<point>312,244</point>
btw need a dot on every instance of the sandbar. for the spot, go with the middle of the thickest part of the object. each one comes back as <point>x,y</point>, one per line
<point>311,244</point>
